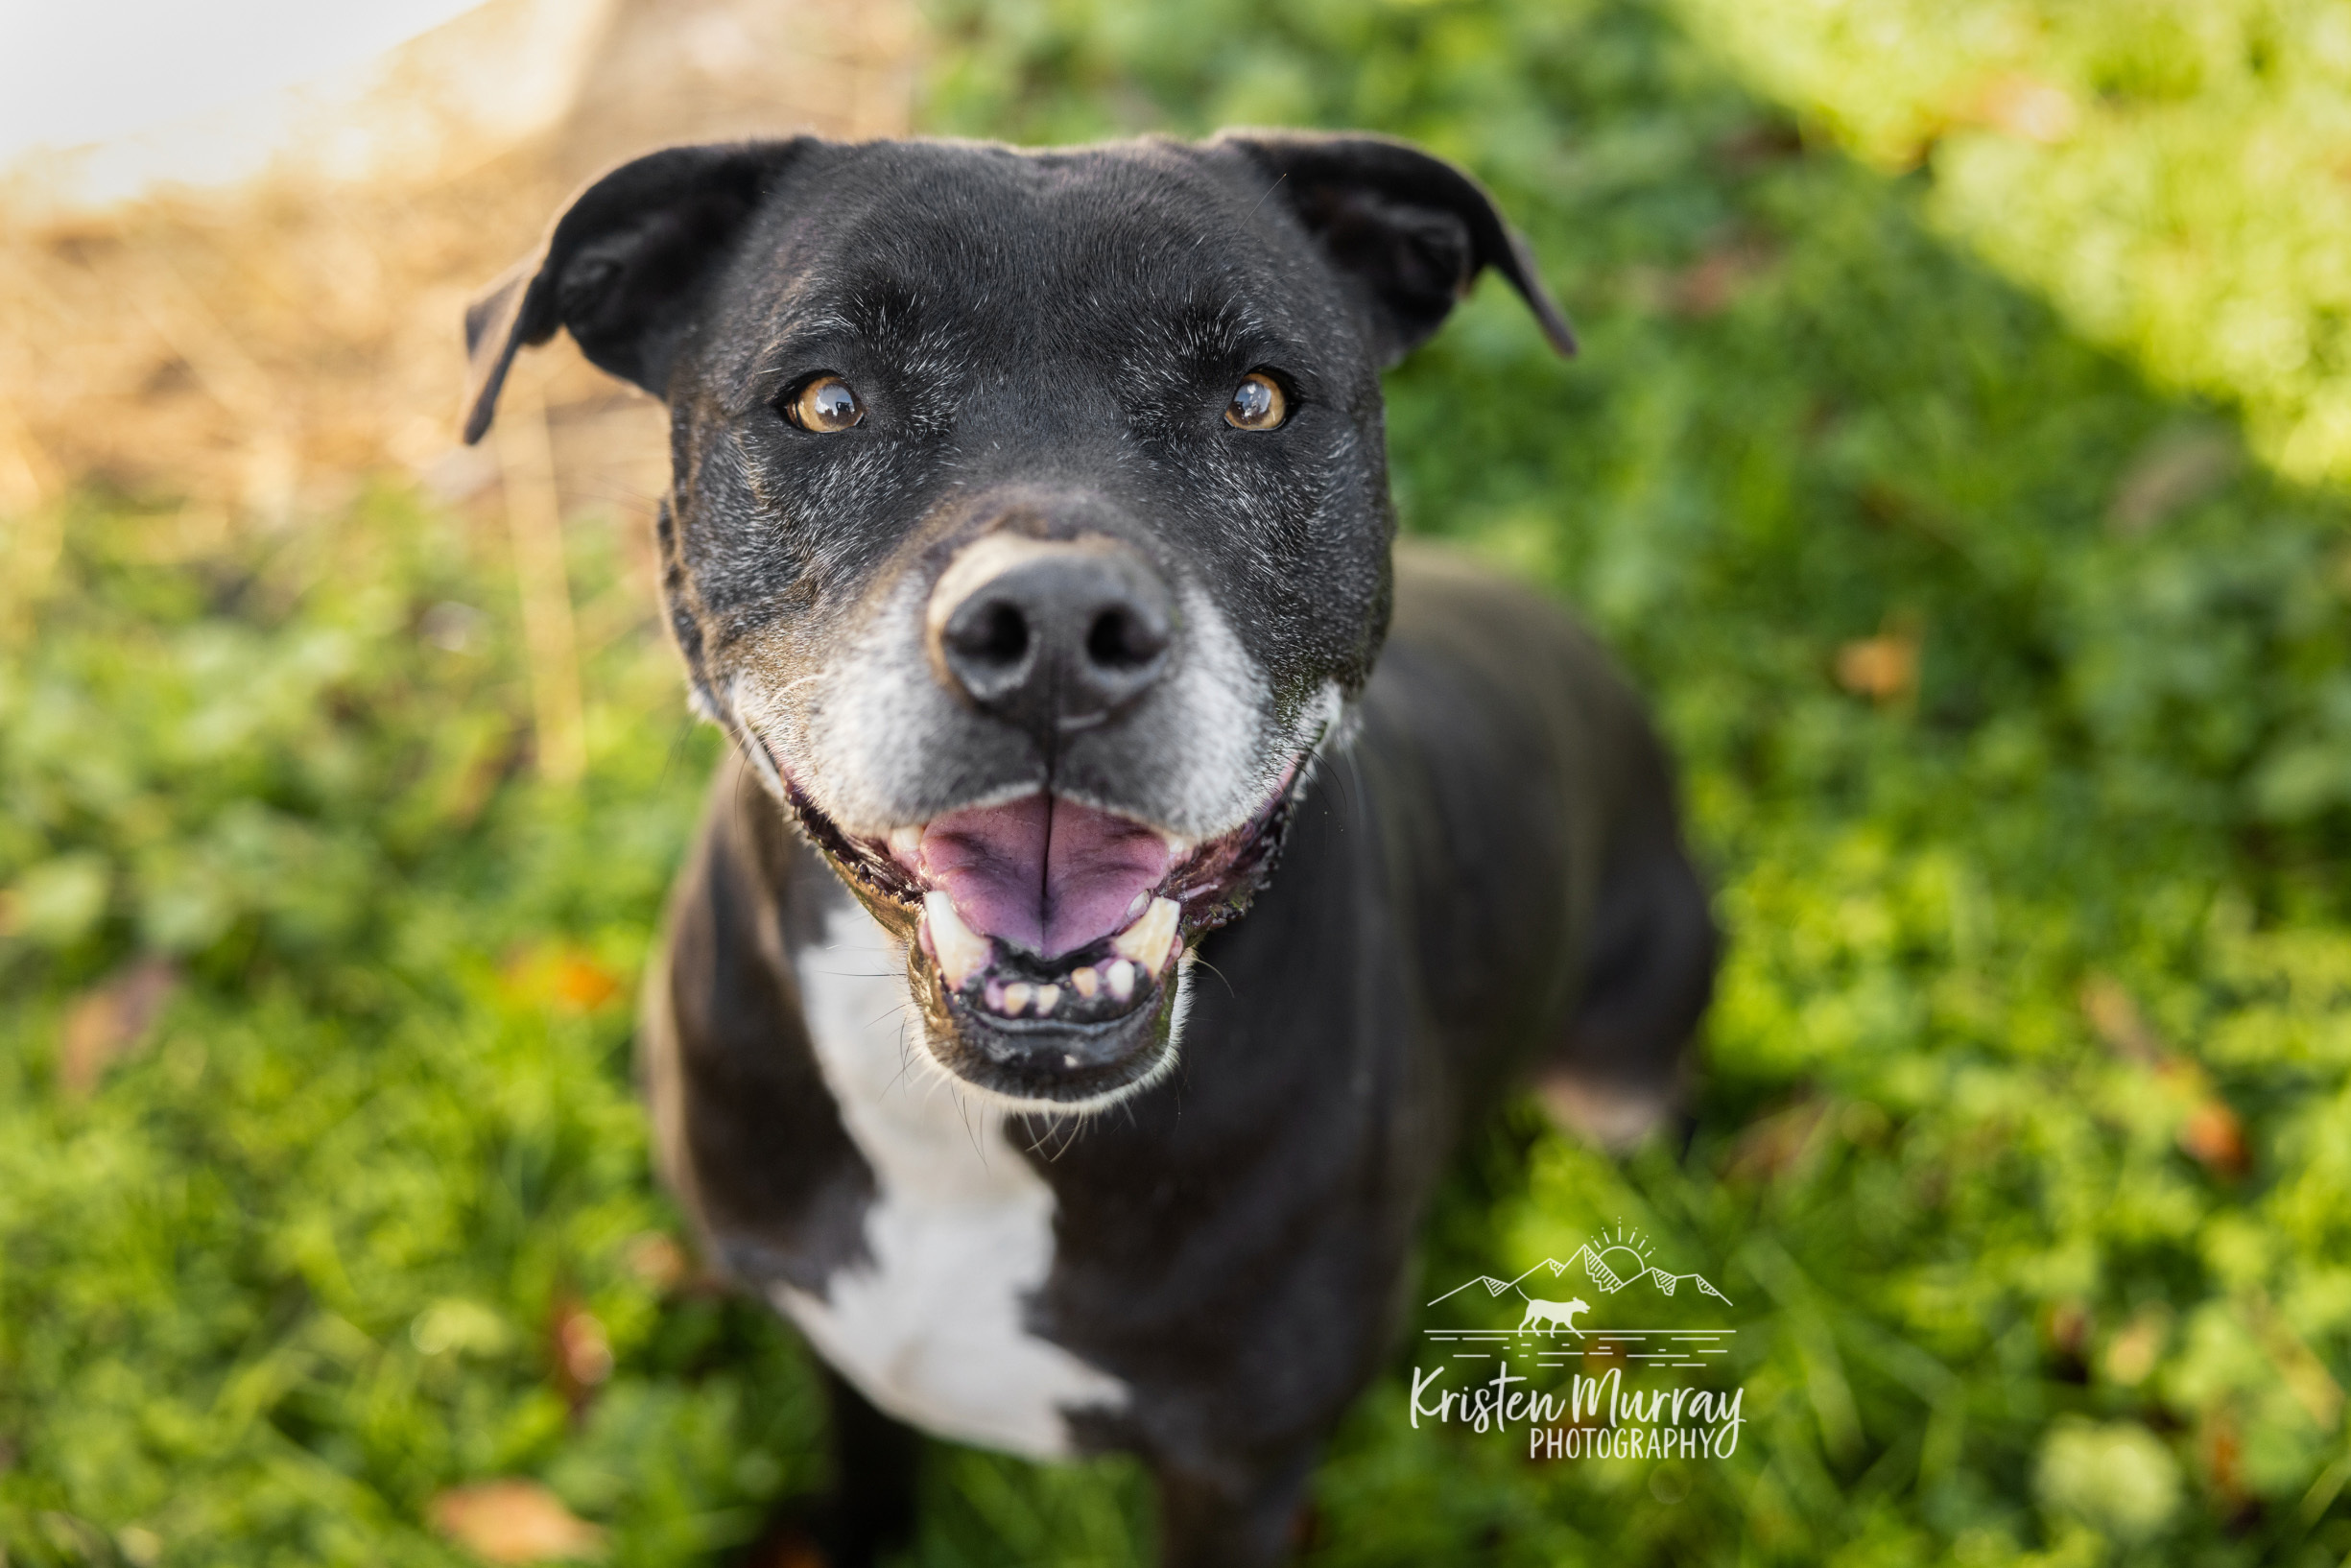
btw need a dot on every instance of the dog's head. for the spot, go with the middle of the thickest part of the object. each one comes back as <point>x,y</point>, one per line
<point>1029,521</point>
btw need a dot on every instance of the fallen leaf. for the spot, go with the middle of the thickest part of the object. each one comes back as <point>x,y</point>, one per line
<point>2133,1353</point>
<point>1884,668</point>
<point>566,977</point>
<point>2210,1131</point>
<point>2114,1019</point>
<point>2224,1454</point>
<point>2214,1138</point>
<point>2069,1328</point>
<point>111,1019</point>
<point>582,1352</point>
<point>580,982</point>
<point>514,1522</point>
<point>657,1260</point>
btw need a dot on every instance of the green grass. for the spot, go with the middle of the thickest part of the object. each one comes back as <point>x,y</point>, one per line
<point>2015,948</point>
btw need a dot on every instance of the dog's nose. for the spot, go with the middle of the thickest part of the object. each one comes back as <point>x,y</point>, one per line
<point>1052,635</point>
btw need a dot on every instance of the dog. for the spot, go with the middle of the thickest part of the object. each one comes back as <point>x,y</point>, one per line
<point>1552,1315</point>
<point>1030,538</point>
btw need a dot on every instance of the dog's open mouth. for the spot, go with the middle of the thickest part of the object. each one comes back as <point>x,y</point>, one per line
<point>1045,936</point>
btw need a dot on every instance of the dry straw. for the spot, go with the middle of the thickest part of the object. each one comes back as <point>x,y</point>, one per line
<point>244,359</point>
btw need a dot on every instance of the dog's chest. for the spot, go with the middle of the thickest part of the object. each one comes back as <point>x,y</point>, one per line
<point>933,1328</point>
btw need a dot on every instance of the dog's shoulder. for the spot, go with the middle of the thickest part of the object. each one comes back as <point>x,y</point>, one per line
<point>745,1134</point>
<point>1526,654</point>
<point>1508,758</point>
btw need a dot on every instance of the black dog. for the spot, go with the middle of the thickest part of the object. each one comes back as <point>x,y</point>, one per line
<point>1030,536</point>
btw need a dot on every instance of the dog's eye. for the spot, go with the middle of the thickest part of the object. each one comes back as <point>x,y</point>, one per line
<point>824,405</point>
<point>1258,403</point>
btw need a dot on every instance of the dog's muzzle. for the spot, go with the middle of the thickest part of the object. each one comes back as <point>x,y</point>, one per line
<point>1045,932</point>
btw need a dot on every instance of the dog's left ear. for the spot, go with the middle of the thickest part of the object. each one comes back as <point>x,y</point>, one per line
<point>624,269</point>
<point>1409,230</point>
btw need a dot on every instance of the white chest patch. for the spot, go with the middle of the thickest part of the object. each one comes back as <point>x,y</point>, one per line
<point>960,1231</point>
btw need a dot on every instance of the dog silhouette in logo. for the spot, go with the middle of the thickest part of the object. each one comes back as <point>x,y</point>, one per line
<point>1555,1313</point>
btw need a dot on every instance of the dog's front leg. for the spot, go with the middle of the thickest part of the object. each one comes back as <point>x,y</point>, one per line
<point>870,1509</point>
<point>867,1513</point>
<point>1244,1517</point>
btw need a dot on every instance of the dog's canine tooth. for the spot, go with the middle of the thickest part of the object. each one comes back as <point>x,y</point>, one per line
<point>960,951</point>
<point>1087,979</point>
<point>1118,976</point>
<point>1016,998</point>
<point>1134,911</point>
<point>1146,941</point>
<point>1045,997</point>
<point>906,843</point>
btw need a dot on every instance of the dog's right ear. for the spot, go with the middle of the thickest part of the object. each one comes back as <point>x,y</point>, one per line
<point>625,269</point>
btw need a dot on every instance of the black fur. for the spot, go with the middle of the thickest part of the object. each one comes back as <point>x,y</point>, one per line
<point>1482,883</point>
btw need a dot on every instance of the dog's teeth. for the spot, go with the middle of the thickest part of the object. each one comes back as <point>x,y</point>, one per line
<point>1045,997</point>
<point>1087,979</point>
<point>1134,911</point>
<point>1016,998</point>
<point>1118,976</point>
<point>960,951</point>
<point>906,843</point>
<point>1146,941</point>
<point>1177,846</point>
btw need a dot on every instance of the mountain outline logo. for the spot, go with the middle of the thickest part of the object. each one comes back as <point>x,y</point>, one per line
<point>1553,1332</point>
<point>1632,1266</point>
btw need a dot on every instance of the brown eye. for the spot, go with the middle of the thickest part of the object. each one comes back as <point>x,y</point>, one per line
<point>1257,403</point>
<point>824,405</point>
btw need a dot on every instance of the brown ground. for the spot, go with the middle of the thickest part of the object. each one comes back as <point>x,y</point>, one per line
<point>241,360</point>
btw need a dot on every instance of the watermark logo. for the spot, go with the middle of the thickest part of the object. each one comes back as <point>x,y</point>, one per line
<point>1642,1369</point>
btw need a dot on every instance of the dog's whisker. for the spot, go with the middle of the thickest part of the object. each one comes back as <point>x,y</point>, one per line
<point>1214,970</point>
<point>906,1066</point>
<point>962,1109</point>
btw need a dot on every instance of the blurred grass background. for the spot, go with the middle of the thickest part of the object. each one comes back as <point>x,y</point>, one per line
<point>1956,455</point>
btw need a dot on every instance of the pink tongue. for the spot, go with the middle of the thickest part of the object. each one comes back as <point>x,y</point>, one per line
<point>1042,873</point>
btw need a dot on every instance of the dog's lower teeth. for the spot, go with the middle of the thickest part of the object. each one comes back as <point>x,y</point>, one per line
<point>965,959</point>
<point>1146,941</point>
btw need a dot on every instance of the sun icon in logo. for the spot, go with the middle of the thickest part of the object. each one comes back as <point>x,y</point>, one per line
<point>1620,1259</point>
